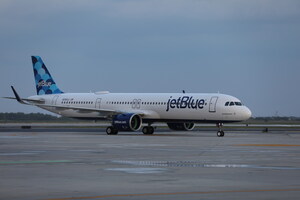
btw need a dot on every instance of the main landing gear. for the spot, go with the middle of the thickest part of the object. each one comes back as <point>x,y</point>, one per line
<point>111,130</point>
<point>220,133</point>
<point>148,130</point>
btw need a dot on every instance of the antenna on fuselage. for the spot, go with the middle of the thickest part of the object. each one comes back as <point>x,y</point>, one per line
<point>183,91</point>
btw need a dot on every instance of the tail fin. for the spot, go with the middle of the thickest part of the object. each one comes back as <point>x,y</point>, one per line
<point>43,80</point>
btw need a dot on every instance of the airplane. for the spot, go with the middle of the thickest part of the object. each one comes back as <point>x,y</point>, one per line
<point>129,111</point>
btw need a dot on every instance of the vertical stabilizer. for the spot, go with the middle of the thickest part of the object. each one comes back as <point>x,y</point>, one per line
<point>43,80</point>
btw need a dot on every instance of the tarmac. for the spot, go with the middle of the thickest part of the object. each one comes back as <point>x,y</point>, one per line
<point>82,163</point>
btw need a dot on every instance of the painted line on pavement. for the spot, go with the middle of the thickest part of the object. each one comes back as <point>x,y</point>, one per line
<point>179,193</point>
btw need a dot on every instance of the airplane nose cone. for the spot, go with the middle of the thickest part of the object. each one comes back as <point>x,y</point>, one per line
<point>247,113</point>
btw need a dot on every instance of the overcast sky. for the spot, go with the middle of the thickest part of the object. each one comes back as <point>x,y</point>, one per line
<point>248,49</point>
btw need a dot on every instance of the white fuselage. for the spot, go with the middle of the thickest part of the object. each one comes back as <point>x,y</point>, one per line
<point>163,107</point>
<point>128,111</point>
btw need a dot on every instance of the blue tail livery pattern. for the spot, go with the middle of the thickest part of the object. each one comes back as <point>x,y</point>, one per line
<point>43,80</point>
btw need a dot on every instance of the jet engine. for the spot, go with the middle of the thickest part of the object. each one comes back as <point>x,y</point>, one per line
<point>127,122</point>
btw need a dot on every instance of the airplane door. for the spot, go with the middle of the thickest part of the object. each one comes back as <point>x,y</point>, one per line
<point>213,104</point>
<point>54,100</point>
<point>136,103</point>
<point>98,103</point>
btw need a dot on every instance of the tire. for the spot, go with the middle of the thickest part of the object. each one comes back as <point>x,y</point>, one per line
<point>148,130</point>
<point>151,130</point>
<point>145,130</point>
<point>219,134</point>
<point>111,131</point>
<point>222,133</point>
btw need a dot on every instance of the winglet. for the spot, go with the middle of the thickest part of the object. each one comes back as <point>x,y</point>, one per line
<point>17,96</point>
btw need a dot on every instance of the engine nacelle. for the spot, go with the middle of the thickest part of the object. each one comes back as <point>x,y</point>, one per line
<point>181,126</point>
<point>127,122</point>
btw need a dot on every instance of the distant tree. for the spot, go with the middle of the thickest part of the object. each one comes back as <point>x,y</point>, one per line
<point>32,117</point>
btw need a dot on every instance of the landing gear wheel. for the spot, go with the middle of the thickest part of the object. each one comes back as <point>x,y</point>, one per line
<point>148,130</point>
<point>111,131</point>
<point>220,133</point>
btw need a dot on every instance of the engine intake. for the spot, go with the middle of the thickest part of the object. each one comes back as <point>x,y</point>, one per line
<point>181,126</point>
<point>127,122</point>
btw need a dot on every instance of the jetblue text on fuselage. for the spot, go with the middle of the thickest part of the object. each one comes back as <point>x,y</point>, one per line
<point>185,102</point>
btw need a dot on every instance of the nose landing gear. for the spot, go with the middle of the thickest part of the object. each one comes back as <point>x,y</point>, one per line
<point>220,133</point>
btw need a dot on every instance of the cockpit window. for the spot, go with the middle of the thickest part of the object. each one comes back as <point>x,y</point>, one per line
<point>231,103</point>
<point>238,103</point>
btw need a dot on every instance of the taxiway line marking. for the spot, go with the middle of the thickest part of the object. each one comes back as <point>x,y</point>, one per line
<point>178,193</point>
<point>268,145</point>
<point>34,162</point>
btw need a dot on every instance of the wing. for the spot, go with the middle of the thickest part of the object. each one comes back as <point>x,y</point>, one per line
<point>107,112</point>
<point>41,103</point>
